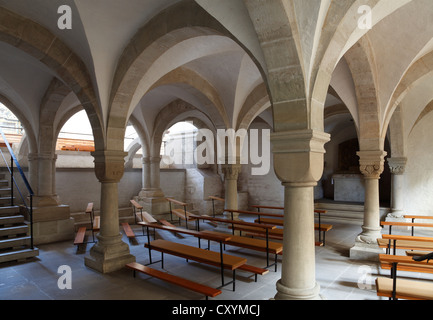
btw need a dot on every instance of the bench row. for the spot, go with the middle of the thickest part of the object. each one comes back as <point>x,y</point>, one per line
<point>417,259</point>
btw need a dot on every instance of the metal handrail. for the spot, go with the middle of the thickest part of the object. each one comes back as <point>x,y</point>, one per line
<point>13,181</point>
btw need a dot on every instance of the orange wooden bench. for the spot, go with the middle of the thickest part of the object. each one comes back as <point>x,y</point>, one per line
<point>180,213</point>
<point>396,288</point>
<point>185,283</point>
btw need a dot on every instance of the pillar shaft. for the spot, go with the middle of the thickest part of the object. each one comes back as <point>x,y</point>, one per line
<point>298,163</point>
<point>397,167</point>
<point>110,253</point>
<point>231,175</point>
<point>371,166</point>
<point>298,275</point>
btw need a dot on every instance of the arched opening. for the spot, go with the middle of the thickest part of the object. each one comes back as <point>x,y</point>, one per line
<point>178,146</point>
<point>76,134</point>
<point>11,127</point>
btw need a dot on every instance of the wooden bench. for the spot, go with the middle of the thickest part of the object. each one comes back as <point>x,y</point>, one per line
<point>390,224</point>
<point>221,260</point>
<point>214,198</point>
<point>248,243</point>
<point>220,238</point>
<point>180,213</point>
<point>138,216</point>
<point>81,233</point>
<point>322,228</point>
<point>413,217</point>
<point>394,242</point>
<point>395,288</point>
<point>128,230</point>
<point>185,283</point>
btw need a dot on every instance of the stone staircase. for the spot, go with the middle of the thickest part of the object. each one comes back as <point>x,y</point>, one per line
<point>347,212</point>
<point>14,230</point>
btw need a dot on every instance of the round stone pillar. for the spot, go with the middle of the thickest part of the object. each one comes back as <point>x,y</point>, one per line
<point>397,167</point>
<point>110,253</point>
<point>231,175</point>
<point>371,166</point>
<point>298,163</point>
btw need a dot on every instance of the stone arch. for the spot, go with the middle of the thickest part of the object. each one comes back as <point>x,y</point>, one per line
<point>257,102</point>
<point>193,79</point>
<point>182,21</point>
<point>65,117</point>
<point>174,112</point>
<point>56,93</point>
<point>361,64</point>
<point>142,134</point>
<point>40,43</point>
<point>419,71</point>
<point>340,33</point>
<point>30,135</point>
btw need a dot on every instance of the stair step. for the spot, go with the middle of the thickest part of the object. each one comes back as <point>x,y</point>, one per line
<point>18,255</point>
<point>5,191</point>
<point>14,242</point>
<point>8,220</point>
<point>23,229</point>
<point>5,200</point>
<point>4,183</point>
<point>9,210</point>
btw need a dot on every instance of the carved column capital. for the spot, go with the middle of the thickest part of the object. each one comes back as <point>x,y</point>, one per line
<point>231,171</point>
<point>298,156</point>
<point>109,165</point>
<point>371,163</point>
<point>397,165</point>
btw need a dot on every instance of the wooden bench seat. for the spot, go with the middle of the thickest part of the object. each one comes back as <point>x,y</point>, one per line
<point>259,232</point>
<point>405,289</point>
<point>185,283</point>
<point>79,238</point>
<point>256,245</point>
<point>182,214</point>
<point>249,243</point>
<point>389,241</point>
<point>128,230</point>
<point>397,288</point>
<point>221,260</point>
<point>391,224</point>
<point>197,254</point>
<point>81,233</point>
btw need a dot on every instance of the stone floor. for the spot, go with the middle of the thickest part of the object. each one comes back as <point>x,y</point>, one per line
<point>340,278</point>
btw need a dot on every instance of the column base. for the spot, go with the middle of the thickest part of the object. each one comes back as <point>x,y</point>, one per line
<point>285,293</point>
<point>109,254</point>
<point>365,251</point>
<point>51,224</point>
<point>155,204</point>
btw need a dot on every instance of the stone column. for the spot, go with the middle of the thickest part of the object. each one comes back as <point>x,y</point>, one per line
<point>397,167</point>
<point>110,253</point>
<point>46,174</point>
<point>155,176</point>
<point>298,163</point>
<point>231,175</point>
<point>146,177</point>
<point>151,197</point>
<point>51,220</point>
<point>371,166</point>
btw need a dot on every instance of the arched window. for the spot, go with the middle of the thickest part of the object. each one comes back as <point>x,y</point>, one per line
<point>76,134</point>
<point>11,126</point>
<point>178,145</point>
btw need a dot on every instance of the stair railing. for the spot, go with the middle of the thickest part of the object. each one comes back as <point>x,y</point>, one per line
<point>29,207</point>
